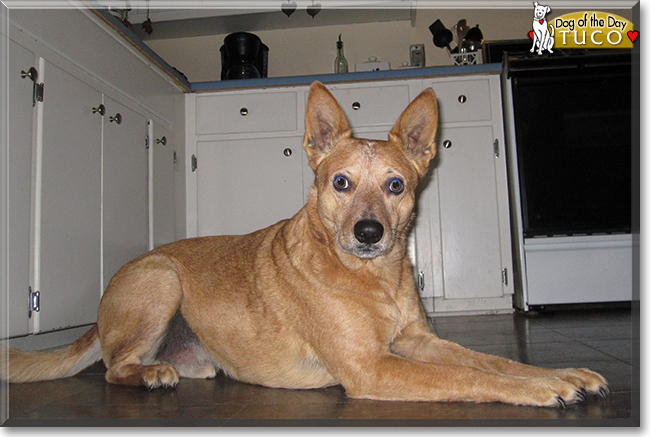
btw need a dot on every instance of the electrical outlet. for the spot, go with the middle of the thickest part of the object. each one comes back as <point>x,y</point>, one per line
<point>416,52</point>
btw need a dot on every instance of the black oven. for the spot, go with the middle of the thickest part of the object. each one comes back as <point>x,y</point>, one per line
<point>573,129</point>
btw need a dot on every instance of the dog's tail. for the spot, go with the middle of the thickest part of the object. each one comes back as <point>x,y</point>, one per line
<point>22,366</point>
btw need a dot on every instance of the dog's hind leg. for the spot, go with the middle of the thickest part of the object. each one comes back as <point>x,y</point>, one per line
<point>134,314</point>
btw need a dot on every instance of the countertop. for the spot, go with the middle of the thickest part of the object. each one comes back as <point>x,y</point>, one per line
<point>401,73</point>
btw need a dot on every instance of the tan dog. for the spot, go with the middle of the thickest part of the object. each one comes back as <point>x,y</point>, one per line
<point>326,297</point>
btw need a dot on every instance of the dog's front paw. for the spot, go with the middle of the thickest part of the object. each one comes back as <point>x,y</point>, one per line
<point>586,379</point>
<point>547,392</point>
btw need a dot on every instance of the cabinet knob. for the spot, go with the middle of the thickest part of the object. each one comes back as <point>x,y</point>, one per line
<point>117,119</point>
<point>32,74</point>
<point>356,106</point>
<point>243,111</point>
<point>462,98</point>
<point>446,144</point>
<point>101,110</point>
<point>162,141</point>
<point>287,152</point>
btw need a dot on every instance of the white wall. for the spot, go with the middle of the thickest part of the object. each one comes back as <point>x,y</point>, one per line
<point>312,50</point>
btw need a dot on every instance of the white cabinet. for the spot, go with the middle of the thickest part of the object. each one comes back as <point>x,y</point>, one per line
<point>462,231</point>
<point>125,187</point>
<point>76,182</point>
<point>461,240</point>
<point>462,101</point>
<point>162,174</point>
<point>82,210</point>
<point>19,171</point>
<point>463,228</point>
<point>248,184</point>
<point>252,112</point>
<point>67,260</point>
<point>251,170</point>
<point>366,106</point>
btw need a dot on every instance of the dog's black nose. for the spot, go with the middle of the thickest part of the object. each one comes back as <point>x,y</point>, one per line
<point>368,231</point>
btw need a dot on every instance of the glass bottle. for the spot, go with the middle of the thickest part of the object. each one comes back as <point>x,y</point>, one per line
<point>340,63</point>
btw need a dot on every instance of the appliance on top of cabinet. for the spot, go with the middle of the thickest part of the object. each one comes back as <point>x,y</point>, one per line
<point>243,56</point>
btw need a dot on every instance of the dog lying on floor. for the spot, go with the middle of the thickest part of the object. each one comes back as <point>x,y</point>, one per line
<point>326,297</point>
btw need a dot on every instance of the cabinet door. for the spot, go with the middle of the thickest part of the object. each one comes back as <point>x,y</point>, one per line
<point>19,166</point>
<point>246,185</point>
<point>125,187</point>
<point>163,194</point>
<point>68,230</point>
<point>466,232</point>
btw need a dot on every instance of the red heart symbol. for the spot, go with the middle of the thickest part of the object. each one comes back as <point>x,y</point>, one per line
<point>531,34</point>
<point>632,35</point>
<point>541,21</point>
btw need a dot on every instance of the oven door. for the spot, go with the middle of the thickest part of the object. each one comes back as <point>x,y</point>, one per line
<point>573,133</point>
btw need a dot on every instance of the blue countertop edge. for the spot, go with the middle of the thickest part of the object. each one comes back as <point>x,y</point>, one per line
<point>400,73</point>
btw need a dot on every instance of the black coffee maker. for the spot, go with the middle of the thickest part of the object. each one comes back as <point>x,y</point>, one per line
<point>243,56</point>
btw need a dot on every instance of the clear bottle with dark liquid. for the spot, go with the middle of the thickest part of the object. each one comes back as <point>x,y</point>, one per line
<point>340,63</point>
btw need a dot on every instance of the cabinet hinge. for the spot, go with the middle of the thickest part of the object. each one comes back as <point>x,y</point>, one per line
<point>146,142</point>
<point>39,89</point>
<point>195,163</point>
<point>421,281</point>
<point>34,302</point>
<point>496,147</point>
<point>504,276</point>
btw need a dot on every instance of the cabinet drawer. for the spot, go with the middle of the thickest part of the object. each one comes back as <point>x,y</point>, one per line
<point>372,106</point>
<point>466,100</point>
<point>244,113</point>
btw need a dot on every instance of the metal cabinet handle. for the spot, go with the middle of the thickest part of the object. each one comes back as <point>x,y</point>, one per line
<point>32,74</point>
<point>462,98</point>
<point>287,152</point>
<point>356,106</point>
<point>162,141</point>
<point>37,90</point>
<point>117,119</point>
<point>101,109</point>
<point>446,144</point>
<point>243,111</point>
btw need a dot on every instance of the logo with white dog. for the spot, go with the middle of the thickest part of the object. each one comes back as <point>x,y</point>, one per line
<point>580,30</point>
<point>543,33</point>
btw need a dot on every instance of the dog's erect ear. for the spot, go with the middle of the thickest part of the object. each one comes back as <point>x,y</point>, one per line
<point>324,123</point>
<point>416,128</point>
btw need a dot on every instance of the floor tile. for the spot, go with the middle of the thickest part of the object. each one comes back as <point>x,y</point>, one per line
<point>621,349</point>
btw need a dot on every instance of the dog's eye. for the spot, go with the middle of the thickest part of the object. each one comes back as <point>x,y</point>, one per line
<point>396,186</point>
<point>341,183</point>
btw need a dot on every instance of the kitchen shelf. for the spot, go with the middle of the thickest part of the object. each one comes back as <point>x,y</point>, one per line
<point>400,73</point>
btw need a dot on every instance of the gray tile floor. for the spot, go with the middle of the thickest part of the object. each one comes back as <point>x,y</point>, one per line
<point>603,340</point>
